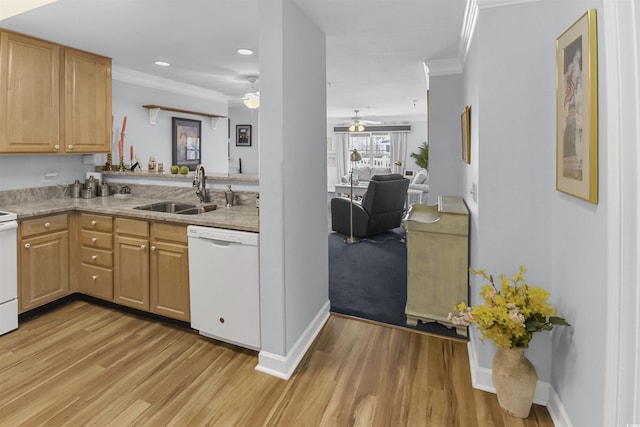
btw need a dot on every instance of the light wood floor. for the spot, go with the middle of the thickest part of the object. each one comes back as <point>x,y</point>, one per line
<point>88,365</point>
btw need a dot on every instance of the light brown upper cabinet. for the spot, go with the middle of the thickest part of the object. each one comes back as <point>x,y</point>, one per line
<point>29,95</point>
<point>53,99</point>
<point>87,102</point>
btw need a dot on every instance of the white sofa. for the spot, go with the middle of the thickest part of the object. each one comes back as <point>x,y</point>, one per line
<point>362,175</point>
<point>420,182</point>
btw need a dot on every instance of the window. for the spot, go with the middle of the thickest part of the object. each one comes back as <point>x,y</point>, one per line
<point>374,147</point>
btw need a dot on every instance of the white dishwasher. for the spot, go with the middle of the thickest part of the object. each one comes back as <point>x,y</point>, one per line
<point>224,284</point>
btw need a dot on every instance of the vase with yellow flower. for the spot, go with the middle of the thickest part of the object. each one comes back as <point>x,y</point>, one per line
<point>510,315</point>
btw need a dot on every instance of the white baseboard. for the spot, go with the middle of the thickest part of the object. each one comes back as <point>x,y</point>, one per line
<point>556,409</point>
<point>284,366</point>
<point>545,395</point>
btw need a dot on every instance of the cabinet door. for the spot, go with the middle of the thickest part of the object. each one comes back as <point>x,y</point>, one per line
<point>131,272</point>
<point>44,269</point>
<point>169,280</point>
<point>29,95</point>
<point>87,102</point>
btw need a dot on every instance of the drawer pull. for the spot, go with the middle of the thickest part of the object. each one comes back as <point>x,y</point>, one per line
<point>47,224</point>
<point>27,245</point>
<point>94,257</point>
<point>94,278</point>
<point>94,222</point>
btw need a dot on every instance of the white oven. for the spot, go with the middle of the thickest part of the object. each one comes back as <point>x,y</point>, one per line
<point>9,272</point>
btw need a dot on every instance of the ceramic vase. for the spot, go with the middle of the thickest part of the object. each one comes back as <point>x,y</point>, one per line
<point>514,378</point>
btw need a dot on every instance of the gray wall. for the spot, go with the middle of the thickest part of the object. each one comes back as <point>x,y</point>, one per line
<point>519,217</point>
<point>293,211</point>
<point>445,154</point>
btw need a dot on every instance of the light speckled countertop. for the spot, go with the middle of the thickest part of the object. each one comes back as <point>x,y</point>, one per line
<point>244,217</point>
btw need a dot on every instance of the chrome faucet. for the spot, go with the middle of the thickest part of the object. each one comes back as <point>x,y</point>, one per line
<point>200,183</point>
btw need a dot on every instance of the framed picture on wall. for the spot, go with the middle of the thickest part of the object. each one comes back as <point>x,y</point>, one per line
<point>186,143</point>
<point>243,135</point>
<point>577,109</point>
<point>465,128</point>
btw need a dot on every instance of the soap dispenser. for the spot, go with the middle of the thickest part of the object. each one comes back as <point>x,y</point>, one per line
<point>229,196</point>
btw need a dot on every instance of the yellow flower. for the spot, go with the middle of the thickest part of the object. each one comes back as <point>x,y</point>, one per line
<point>511,314</point>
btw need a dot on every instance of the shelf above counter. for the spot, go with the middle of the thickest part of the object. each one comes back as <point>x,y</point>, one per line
<point>155,109</point>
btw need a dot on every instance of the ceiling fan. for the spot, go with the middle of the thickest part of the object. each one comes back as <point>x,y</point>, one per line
<point>357,124</point>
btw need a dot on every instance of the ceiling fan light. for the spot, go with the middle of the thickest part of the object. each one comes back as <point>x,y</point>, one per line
<point>356,127</point>
<point>252,100</point>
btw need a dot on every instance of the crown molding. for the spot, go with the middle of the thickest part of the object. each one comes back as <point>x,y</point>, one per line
<point>486,4</point>
<point>441,67</point>
<point>127,75</point>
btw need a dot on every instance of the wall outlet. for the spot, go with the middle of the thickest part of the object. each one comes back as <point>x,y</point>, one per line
<point>49,176</point>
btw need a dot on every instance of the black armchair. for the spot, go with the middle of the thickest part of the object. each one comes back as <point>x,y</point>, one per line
<point>381,209</point>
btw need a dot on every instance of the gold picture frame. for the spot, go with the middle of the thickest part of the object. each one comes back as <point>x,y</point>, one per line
<point>465,129</point>
<point>577,109</point>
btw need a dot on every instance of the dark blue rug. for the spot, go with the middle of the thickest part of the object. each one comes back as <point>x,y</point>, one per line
<point>369,280</point>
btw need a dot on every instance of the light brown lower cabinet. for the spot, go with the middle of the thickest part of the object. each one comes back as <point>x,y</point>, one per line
<point>131,269</point>
<point>43,260</point>
<point>169,271</point>
<point>151,270</point>
<point>95,275</point>
<point>132,262</point>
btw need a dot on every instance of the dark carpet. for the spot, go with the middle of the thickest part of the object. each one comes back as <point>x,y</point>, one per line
<point>369,280</point>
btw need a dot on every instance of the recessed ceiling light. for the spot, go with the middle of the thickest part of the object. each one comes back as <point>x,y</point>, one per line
<point>244,51</point>
<point>162,63</point>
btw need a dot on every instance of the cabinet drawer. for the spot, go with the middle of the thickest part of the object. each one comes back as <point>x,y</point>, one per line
<point>96,239</point>
<point>133,227</point>
<point>96,281</point>
<point>43,224</point>
<point>97,257</point>
<point>96,222</point>
<point>169,232</point>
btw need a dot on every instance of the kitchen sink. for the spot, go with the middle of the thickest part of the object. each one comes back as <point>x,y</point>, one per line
<point>177,208</point>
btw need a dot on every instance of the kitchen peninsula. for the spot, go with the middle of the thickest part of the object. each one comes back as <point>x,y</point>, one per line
<point>108,248</point>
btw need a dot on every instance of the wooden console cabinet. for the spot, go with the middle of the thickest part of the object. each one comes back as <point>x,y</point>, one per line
<point>437,260</point>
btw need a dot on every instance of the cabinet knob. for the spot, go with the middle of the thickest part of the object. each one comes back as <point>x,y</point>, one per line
<point>153,248</point>
<point>94,278</point>
<point>47,224</point>
<point>57,147</point>
<point>221,320</point>
<point>143,247</point>
<point>94,222</point>
<point>27,245</point>
<point>94,257</point>
<point>70,147</point>
<point>94,239</point>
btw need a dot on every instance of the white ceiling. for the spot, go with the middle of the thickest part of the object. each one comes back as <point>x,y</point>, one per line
<point>375,48</point>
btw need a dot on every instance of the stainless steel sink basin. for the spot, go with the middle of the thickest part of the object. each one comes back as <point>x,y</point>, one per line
<point>177,208</point>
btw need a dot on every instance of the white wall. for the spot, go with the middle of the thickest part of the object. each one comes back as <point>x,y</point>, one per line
<point>519,217</point>
<point>18,172</point>
<point>248,156</point>
<point>156,140</point>
<point>293,218</point>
